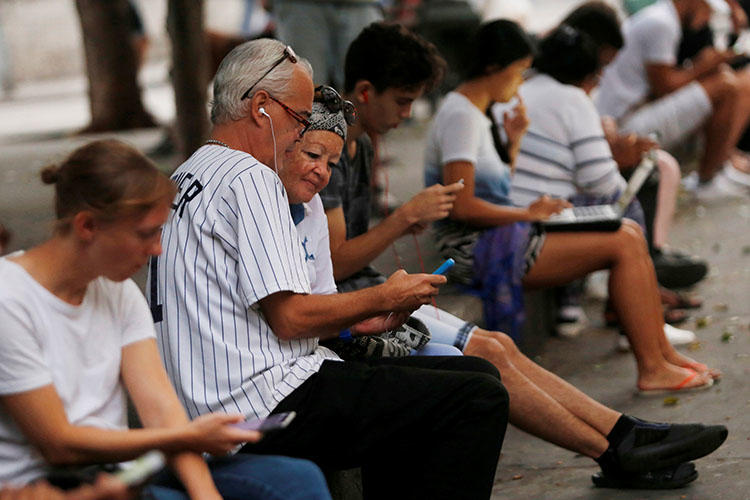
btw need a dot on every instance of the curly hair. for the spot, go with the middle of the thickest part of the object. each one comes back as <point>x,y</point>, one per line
<point>391,56</point>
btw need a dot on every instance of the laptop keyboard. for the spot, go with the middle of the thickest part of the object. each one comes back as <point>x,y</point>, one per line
<point>582,214</point>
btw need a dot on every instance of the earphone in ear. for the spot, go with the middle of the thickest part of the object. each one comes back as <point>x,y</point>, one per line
<point>262,111</point>
<point>365,97</point>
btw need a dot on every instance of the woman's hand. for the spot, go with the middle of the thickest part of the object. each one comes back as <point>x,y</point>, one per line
<point>215,433</point>
<point>545,206</point>
<point>515,123</point>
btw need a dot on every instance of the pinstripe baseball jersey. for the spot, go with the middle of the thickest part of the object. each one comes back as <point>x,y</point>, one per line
<point>229,242</point>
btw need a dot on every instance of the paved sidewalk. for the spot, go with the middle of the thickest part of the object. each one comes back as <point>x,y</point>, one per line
<point>532,469</point>
<point>36,127</point>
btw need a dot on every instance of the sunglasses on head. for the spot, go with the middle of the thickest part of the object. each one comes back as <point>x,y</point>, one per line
<point>333,101</point>
<point>288,54</point>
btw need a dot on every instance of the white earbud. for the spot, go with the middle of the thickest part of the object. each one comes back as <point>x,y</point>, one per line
<point>262,111</point>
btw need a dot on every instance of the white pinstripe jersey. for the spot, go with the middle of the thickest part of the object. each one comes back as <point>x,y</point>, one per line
<point>229,242</point>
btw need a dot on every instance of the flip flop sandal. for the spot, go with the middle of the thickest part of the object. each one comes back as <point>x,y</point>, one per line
<point>681,443</point>
<point>701,368</point>
<point>664,479</point>
<point>679,388</point>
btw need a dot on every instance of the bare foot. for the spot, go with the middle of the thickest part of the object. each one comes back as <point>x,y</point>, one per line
<point>672,377</point>
<point>679,359</point>
<point>741,161</point>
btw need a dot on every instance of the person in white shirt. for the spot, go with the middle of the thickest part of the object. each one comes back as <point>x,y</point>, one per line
<point>506,248</point>
<point>78,337</point>
<point>565,153</point>
<point>645,90</point>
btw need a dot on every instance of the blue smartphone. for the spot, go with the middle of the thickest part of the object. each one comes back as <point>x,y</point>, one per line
<point>444,266</point>
<point>270,423</point>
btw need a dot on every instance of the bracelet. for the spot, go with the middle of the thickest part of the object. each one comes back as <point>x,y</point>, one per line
<point>346,335</point>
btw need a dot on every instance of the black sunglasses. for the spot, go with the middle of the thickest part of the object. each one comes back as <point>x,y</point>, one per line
<point>333,101</point>
<point>288,54</point>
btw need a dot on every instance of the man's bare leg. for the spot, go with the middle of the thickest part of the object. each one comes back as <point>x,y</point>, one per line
<point>576,402</point>
<point>533,410</point>
<point>731,108</point>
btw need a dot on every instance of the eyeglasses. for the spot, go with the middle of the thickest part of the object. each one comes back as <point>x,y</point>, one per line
<point>288,54</point>
<point>300,119</point>
<point>335,103</point>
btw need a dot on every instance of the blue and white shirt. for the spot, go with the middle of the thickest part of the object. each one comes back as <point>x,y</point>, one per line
<point>228,243</point>
<point>314,238</point>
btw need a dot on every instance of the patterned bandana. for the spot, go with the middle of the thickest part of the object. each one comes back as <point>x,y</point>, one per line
<point>323,119</point>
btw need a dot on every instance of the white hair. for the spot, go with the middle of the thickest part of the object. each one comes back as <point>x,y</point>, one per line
<point>242,68</point>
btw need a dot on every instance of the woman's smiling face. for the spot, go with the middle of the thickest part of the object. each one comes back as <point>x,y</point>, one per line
<point>308,166</point>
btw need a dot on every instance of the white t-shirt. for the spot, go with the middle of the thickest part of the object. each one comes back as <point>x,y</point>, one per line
<point>313,236</point>
<point>46,340</point>
<point>461,132</point>
<point>652,36</point>
<point>564,151</point>
<point>228,243</point>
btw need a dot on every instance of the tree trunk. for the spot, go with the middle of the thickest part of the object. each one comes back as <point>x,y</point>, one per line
<point>114,94</point>
<point>189,73</point>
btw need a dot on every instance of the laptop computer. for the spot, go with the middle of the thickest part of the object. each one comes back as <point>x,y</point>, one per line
<point>602,217</point>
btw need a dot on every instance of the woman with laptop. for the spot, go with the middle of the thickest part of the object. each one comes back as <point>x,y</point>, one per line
<point>502,249</point>
<point>566,153</point>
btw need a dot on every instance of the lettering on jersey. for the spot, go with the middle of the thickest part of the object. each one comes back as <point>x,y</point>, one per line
<point>185,194</point>
<point>308,256</point>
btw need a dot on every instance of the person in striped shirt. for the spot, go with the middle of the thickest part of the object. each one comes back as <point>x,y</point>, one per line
<point>239,328</point>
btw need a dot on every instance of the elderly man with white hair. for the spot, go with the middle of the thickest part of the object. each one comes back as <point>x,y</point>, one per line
<point>239,327</point>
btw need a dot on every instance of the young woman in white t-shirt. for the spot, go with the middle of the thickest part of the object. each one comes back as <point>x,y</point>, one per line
<point>509,251</point>
<point>78,336</point>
